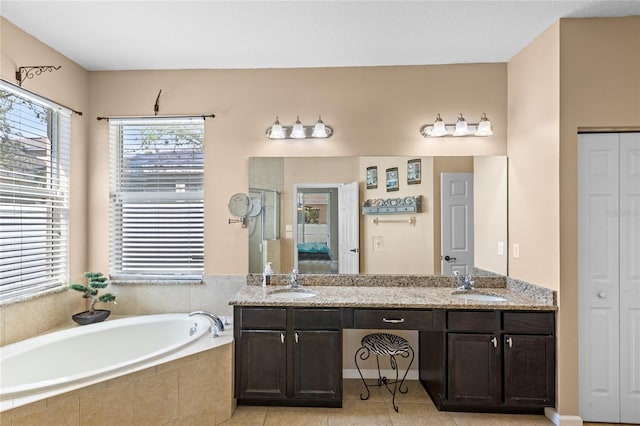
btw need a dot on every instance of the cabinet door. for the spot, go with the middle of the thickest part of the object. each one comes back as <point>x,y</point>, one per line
<point>529,370</point>
<point>473,375</point>
<point>262,364</point>
<point>317,364</point>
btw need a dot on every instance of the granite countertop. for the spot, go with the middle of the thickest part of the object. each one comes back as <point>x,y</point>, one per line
<point>389,296</point>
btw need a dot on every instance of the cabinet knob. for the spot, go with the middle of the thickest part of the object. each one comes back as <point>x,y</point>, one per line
<point>494,340</point>
<point>282,337</point>
<point>509,342</point>
<point>296,336</point>
<point>602,294</point>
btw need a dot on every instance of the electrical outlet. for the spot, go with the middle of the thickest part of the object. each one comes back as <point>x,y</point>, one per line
<point>378,243</point>
<point>500,248</point>
<point>516,251</point>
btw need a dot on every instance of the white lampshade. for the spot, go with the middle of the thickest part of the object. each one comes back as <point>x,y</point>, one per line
<point>277,132</point>
<point>439,129</point>
<point>297,132</point>
<point>319,130</point>
<point>484,127</point>
<point>462,129</point>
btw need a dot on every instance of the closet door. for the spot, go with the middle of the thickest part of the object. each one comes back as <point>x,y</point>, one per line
<point>630,277</point>
<point>598,277</point>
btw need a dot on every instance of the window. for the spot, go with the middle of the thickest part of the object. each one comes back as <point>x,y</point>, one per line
<point>156,199</point>
<point>34,193</point>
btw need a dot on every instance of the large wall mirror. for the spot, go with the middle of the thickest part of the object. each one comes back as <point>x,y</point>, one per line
<point>299,222</point>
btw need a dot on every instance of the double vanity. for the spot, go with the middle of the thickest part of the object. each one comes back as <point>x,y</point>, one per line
<point>490,349</point>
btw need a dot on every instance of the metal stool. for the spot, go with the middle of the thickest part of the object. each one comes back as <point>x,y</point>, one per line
<point>385,344</point>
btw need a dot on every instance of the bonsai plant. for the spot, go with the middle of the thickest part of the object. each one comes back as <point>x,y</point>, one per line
<point>95,282</point>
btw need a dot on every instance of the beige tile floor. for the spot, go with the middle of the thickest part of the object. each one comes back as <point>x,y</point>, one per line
<point>415,408</point>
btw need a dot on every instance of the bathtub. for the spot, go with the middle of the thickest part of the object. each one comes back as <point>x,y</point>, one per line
<point>47,365</point>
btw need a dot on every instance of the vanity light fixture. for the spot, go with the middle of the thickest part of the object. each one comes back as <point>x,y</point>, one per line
<point>460,128</point>
<point>299,131</point>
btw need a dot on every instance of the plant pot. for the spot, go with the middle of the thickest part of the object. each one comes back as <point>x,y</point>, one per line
<point>84,318</point>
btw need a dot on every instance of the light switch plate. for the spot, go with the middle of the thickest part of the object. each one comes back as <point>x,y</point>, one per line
<point>378,243</point>
<point>516,250</point>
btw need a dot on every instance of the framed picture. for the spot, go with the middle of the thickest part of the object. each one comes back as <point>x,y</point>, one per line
<point>414,171</point>
<point>372,177</point>
<point>392,179</point>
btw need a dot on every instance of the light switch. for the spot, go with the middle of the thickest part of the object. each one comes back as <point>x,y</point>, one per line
<point>516,250</point>
<point>378,243</point>
<point>500,248</point>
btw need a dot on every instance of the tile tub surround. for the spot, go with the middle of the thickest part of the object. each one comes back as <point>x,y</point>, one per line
<point>196,389</point>
<point>390,291</point>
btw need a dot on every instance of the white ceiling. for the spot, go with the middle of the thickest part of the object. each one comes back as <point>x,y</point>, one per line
<point>128,35</point>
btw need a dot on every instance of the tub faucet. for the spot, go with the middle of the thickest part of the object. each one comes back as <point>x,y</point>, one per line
<point>293,279</point>
<point>216,323</point>
<point>464,282</point>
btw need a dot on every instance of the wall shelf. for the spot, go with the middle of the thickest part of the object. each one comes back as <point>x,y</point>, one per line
<point>400,205</point>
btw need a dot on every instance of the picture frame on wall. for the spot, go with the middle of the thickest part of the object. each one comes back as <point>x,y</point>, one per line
<point>414,171</point>
<point>393,183</point>
<point>372,177</point>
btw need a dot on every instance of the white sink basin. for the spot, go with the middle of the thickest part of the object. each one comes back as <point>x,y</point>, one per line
<point>483,297</point>
<point>291,293</point>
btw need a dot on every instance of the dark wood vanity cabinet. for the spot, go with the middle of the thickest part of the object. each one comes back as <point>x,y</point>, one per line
<point>491,361</point>
<point>289,356</point>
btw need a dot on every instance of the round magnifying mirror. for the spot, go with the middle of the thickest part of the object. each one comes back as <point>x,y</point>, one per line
<point>239,205</point>
<point>256,207</point>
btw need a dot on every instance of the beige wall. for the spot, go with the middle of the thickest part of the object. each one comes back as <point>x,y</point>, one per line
<point>405,248</point>
<point>490,213</point>
<point>68,86</point>
<point>534,120</point>
<point>599,86</point>
<point>374,111</point>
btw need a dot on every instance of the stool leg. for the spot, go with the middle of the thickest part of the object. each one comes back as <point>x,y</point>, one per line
<point>394,366</point>
<point>406,355</point>
<point>381,379</point>
<point>362,353</point>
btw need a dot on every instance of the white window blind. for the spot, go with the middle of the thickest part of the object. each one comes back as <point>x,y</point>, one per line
<point>156,198</point>
<point>35,139</point>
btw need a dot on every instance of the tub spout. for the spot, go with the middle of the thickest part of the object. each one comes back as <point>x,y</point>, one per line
<point>216,323</point>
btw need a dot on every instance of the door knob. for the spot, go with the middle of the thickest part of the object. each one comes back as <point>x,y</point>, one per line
<point>602,294</point>
<point>449,258</point>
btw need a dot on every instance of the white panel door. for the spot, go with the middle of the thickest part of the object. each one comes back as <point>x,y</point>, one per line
<point>456,197</point>
<point>629,214</point>
<point>598,304</point>
<point>349,224</point>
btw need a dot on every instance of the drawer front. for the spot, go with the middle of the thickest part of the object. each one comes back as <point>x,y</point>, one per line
<point>316,319</point>
<point>393,319</point>
<point>263,318</point>
<point>529,322</point>
<point>486,321</point>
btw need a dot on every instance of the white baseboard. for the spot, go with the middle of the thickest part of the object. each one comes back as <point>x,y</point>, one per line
<point>560,420</point>
<point>373,374</point>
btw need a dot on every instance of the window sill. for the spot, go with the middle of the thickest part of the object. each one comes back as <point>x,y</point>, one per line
<point>30,297</point>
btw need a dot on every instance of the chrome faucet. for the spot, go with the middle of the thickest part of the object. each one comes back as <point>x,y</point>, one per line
<point>293,279</point>
<point>216,323</point>
<point>464,282</point>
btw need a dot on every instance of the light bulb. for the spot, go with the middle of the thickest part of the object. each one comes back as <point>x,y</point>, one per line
<point>276,132</point>
<point>319,130</point>
<point>439,129</point>
<point>484,127</point>
<point>462,129</point>
<point>297,132</point>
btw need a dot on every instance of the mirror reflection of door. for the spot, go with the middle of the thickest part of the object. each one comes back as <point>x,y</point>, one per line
<point>457,222</point>
<point>321,227</point>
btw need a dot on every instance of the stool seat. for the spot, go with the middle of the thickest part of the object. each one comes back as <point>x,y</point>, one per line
<point>389,345</point>
<point>385,344</point>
